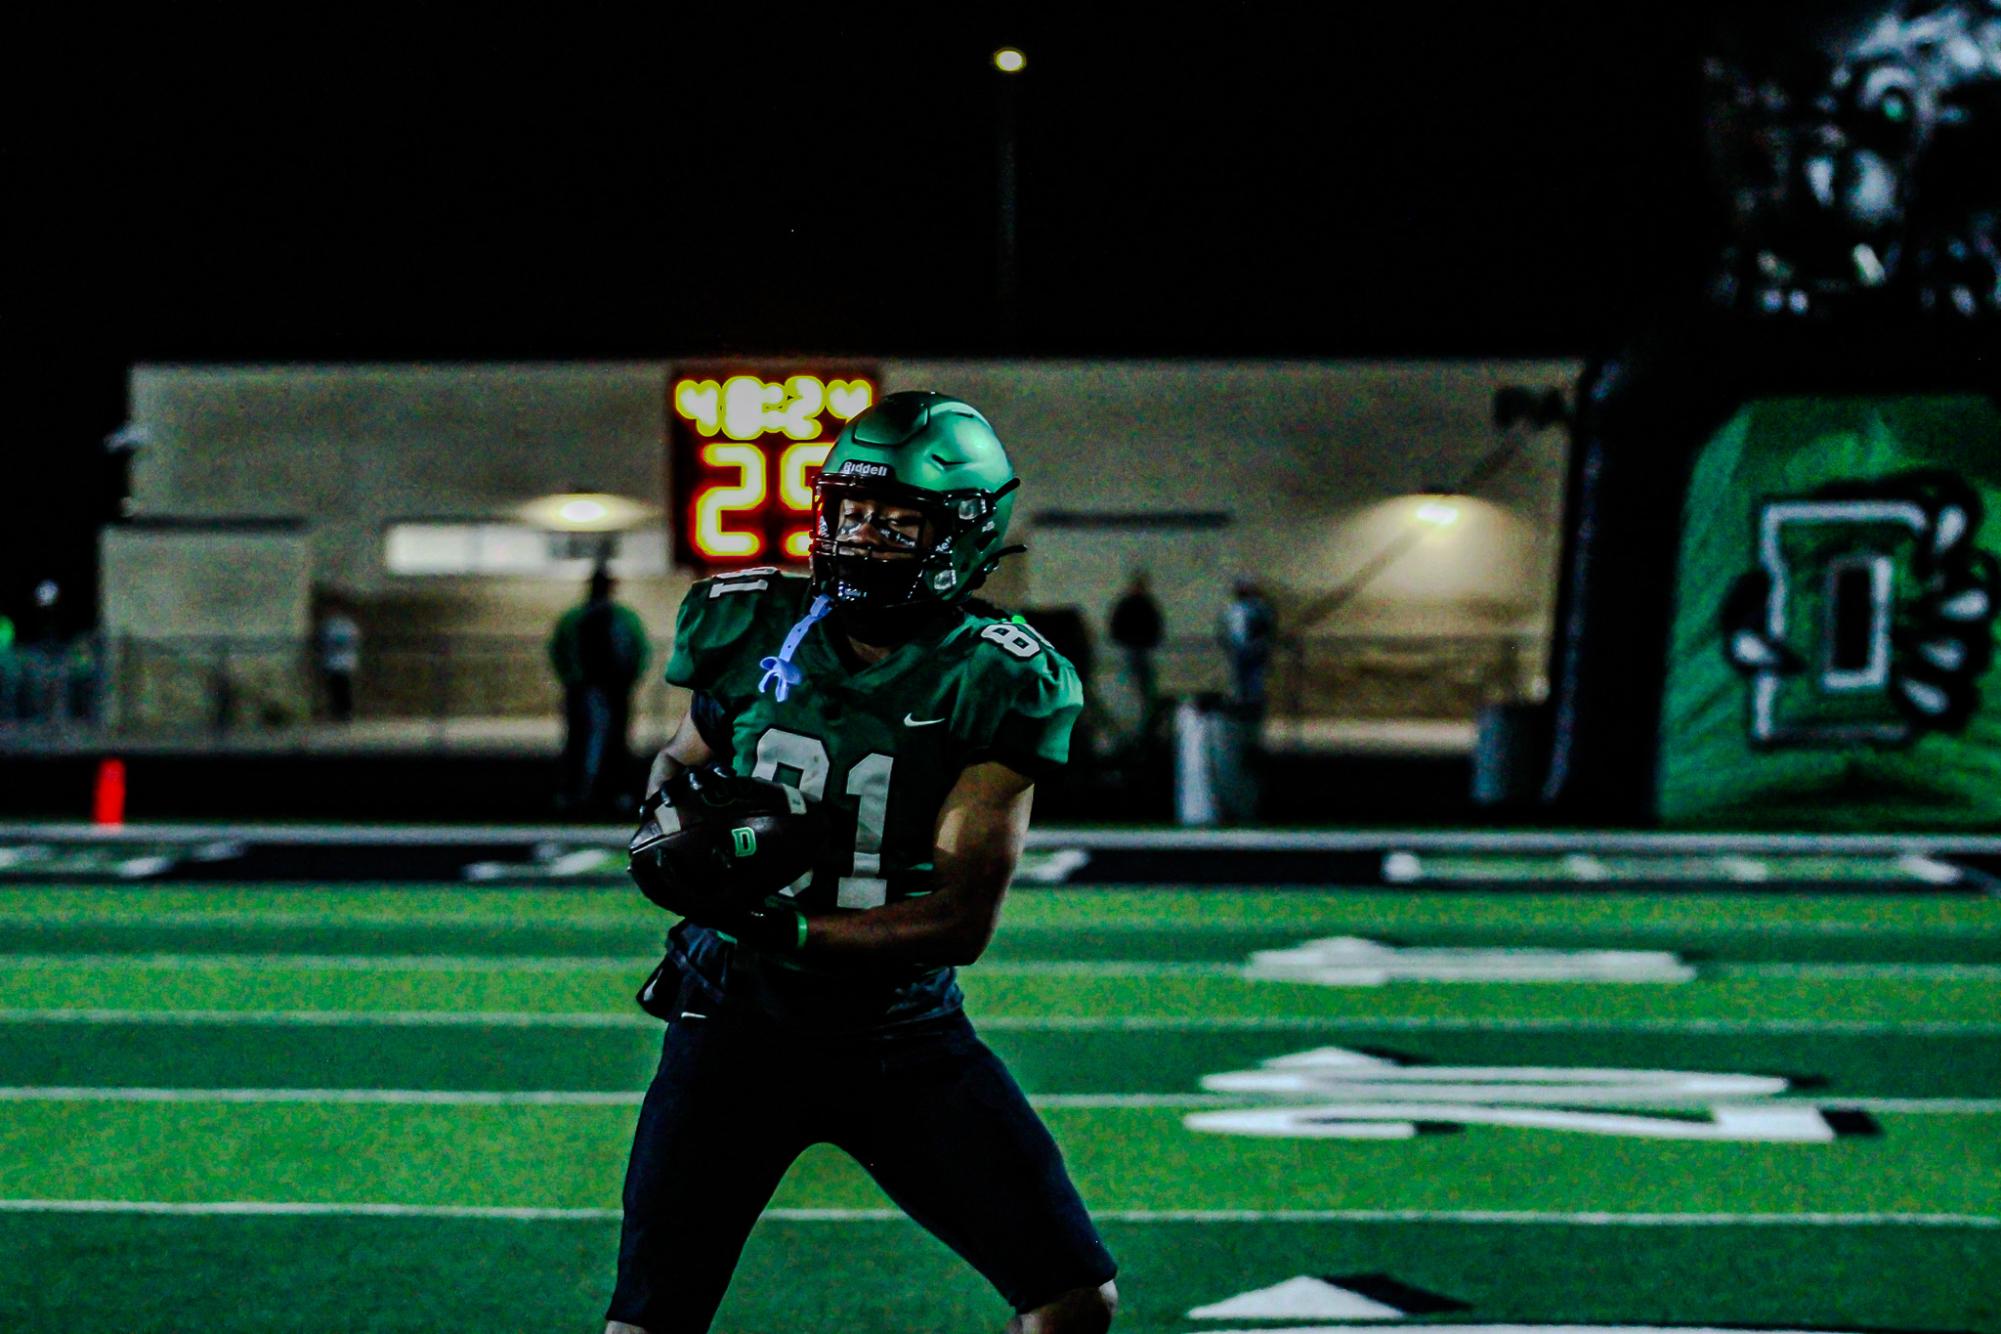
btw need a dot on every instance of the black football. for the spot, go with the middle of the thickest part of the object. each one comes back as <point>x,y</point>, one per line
<point>709,836</point>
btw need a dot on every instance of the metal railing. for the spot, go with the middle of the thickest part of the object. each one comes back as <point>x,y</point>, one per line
<point>224,691</point>
<point>464,690</point>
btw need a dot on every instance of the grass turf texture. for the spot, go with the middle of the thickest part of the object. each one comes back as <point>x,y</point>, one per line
<point>114,1054</point>
<point>432,1274</point>
<point>579,952</point>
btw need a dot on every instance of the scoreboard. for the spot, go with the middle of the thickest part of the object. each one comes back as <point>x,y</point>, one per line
<point>745,444</point>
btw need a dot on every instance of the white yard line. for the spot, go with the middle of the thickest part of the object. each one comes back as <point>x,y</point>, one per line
<point>310,1209</point>
<point>1141,1023</point>
<point>583,963</point>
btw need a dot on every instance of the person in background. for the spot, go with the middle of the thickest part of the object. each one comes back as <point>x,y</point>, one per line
<point>1136,628</point>
<point>1246,633</point>
<point>80,684</point>
<point>598,650</point>
<point>10,673</point>
<point>42,697</point>
<point>339,644</point>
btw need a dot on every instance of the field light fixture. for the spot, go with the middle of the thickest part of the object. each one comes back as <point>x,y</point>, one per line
<point>1437,507</point>
<point>1437,513</point>
<point>1009,60</point>
<point>584,512</point>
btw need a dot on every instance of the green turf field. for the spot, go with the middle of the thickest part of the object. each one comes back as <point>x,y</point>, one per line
<point>399,1107</point>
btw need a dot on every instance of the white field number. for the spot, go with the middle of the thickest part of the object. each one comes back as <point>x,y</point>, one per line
<point>1360,1095</point>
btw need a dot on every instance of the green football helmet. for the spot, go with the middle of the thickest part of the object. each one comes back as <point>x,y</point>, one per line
<point>922,451</point>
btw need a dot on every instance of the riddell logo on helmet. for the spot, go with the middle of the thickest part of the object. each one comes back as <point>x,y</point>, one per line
<point>864,468</point>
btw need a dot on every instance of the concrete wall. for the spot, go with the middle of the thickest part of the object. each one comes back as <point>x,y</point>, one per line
<point>1306,459</point>
<point>244,582</point>
<point>199,619</point>
<point>351,449</point>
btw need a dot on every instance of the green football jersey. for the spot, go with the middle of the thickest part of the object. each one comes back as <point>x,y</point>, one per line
<point>880,745</point>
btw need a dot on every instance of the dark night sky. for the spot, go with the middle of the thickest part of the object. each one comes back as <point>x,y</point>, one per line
<point>1240,181</point>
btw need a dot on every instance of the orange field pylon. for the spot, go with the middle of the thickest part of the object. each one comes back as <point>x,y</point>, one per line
<point>107,805</point>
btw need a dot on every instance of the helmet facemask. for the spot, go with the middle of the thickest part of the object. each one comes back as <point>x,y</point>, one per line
<point>884,590</point>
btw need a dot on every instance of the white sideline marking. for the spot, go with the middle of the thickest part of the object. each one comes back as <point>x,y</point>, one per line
<point>598,1098</point>
<point>393,1097</point>
<point>344,963</point>
<point>647,924</point>
<point>511,1097</point>
<point>303,1209</point>
<point>340,1018</point>
<point>548,963</point>
<point>1066,1023</point>
<point>1522,1217</point>
<point>1047,837</point>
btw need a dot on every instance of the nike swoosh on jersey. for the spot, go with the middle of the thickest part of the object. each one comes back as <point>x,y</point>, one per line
<point>912,720</point>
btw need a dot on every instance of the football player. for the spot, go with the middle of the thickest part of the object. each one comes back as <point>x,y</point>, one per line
<point>829,1013</point>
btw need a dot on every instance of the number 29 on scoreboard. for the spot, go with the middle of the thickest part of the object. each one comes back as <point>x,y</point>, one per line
<point>744,447</point>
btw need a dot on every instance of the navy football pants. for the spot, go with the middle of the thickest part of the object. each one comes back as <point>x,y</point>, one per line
<point>934,1117</point>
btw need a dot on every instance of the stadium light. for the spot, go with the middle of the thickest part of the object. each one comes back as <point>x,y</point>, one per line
<point>584,512</point>
<point>1009,60</point>
<point>1436,508</point>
